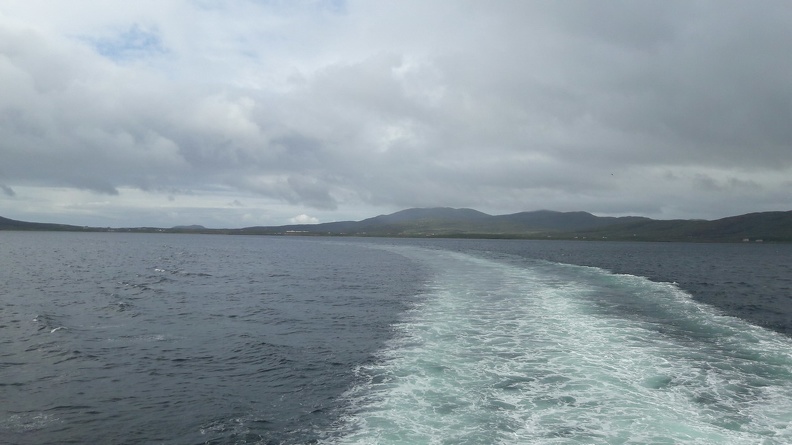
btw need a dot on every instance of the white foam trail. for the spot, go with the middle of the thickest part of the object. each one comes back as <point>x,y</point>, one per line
<point>507,354</point>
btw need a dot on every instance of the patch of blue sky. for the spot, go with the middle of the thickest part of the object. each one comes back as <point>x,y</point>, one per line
<point>133,43</point>
<point>334,6</point>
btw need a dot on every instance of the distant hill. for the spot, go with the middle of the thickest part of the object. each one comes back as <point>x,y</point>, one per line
<point>447,222</point>
<point>11,224</point>
<point>188,228</point>
<point>469,223</point>
<point>764,226</point>
<point>445,214</point>
<point>547,220</point>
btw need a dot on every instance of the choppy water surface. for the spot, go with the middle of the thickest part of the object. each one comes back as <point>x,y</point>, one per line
<point>115,338</point>
<point>118,338</point>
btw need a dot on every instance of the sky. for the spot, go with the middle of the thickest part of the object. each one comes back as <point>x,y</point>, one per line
<point>265,112</point>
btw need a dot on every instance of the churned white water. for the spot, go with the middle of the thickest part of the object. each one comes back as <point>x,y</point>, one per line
<point>554,354</point>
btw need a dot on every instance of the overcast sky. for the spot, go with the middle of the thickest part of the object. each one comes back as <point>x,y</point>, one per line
<point>256,112</point>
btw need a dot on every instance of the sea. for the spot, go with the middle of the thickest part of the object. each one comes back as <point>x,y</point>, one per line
<point>121,338</point>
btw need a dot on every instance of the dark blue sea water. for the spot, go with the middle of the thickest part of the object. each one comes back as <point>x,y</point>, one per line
<point>192,339</point>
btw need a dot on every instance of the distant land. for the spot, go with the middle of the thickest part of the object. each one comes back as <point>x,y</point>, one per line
<point>444,222</point>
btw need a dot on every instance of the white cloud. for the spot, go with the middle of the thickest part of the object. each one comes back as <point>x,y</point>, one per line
<point>304,219</point>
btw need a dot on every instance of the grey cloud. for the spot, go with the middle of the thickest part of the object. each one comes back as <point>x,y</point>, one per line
<point>311,192</point>
<point>94,184</point>
<point>8,191</point>
<point>299,152</point>
<point>707,90</point>
<point>506,104</point>
<point>293,188</point>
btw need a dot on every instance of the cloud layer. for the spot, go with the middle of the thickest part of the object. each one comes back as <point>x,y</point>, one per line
<point>249,112</point>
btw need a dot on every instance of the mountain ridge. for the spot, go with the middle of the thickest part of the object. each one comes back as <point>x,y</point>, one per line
<point>542,224</point>
<point>775,226</point>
